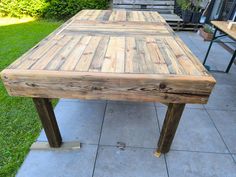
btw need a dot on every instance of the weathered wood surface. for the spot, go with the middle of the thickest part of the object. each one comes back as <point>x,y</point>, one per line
<point>169,127</point>
<point>114,55</point>
<point>46,114</point>
<point>222,25</point>
<point>162,6</point>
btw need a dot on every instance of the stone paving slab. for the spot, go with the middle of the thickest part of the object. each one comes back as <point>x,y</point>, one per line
<point>225,122</point>
<point>193,106</point>
<point>222,98</point>
<point>234,156</point>
<point>132,162</point>
<point>77,163</point>
<point>218,58</point>
<point>195,164</point>
<point>134,124</point>
<point>196,132</point>
<point>131,103</point>
<point>79,121</point>
<point>226,79</point>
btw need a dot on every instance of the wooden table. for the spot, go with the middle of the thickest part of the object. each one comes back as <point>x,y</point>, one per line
<point>111,55</point>
<point>222,27</point>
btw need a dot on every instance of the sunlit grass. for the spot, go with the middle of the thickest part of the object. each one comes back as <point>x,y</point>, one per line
<point>10,21</point>
<point>19,125</point>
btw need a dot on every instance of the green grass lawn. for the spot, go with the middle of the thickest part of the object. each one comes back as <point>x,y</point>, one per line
<point>19,125</point>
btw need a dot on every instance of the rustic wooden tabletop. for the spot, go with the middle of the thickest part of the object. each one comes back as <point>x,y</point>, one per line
<point>104,54</point>
<point>111,55</point>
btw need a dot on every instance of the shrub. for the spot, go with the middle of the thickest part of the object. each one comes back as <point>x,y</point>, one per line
<point>63,9</point>
<point>19,8</point>
<point>56,9</point>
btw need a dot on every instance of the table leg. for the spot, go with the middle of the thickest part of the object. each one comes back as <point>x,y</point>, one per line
<point>209,48</point>
<point>169,127</point>
<point>48,119</point>
<point>231,62</point>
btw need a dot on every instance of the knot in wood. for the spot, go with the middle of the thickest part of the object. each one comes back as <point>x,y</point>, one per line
<point>96,88</point>
<point>162,86</point>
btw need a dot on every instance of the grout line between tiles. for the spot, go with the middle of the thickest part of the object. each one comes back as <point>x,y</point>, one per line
<point>205,152</point>
<point>136,147</point>
<point>158,124</point>
<point>167,170</point>
<point>95,161</point>
<point>233,157</point>
<point>218,109</point>
<point>220,134</point>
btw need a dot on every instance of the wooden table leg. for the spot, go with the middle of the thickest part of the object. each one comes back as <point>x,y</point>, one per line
<point>48,119</point>
<point>169,127</point>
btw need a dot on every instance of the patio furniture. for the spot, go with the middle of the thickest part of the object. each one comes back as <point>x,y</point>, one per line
<point>222,27</point>
<point>111,55</point>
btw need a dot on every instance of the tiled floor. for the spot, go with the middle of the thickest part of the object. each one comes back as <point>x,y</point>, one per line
<point>204,145</point>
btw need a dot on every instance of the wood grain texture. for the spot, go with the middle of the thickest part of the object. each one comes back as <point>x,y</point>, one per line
<point>104,54</point>
<point>222,25</point>
<point>48,119</point>
<point>169,127</point>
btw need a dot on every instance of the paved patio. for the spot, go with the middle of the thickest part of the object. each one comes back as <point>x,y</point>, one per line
<point>204,146</point>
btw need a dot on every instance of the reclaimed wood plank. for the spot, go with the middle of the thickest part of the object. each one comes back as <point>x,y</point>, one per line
<point>88,54</point>
<point>159,63</point>
<point>182,58</point>
<point>42,62</point>
<point>149,87</point>
<point>130,54</point>
<point>170,59</point>
<point>99,55</point>
<point>73,58</point>
<point>114,58</point>
<point>58,60</point>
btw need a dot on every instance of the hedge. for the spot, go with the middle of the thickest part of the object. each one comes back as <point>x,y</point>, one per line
<point>19,8</point>
<point>54,9</point>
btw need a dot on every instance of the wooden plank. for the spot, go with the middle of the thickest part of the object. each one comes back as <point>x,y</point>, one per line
<point>95,14</point>
<point>65,146</point>
<point>88,54</point>
<point>73,58</point>
<point>149,87</point>
<point>170,59</point>
<point>182,58</point>
<point>58,60</point>
<point>104,16</point>
<point>42,62</point>
<point>145,2</point>
<point>119,15</point>
<point>35,55</point>
<point>159,63</point>
<point>192,57</point>
<point>114,58</point>
<point>99,55</point>
<point>130,54</point>
<point>169,127</point>
<point>46,114</point>
<point>145,62</point>
<point>157,17</point>
<point>222,25</point>
<point>115,28</point>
